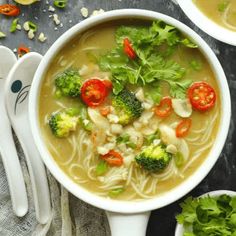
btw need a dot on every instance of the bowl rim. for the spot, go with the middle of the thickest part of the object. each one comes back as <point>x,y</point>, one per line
<point>179,229</point>
<point>206,24</point>
<point>119,205</point>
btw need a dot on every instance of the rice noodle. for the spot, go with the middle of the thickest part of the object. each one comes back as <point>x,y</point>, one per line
<point>225,18</point>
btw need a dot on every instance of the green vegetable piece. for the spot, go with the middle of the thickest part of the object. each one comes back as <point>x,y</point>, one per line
<point>188,43</point>
<point>196,65</point>
<point>150,138</point>
<point>125,138</point>
<point>60,3</point>
<point>116,192</point>
<point>84,118</point>
<point>63,122</point>
<point>14,25</point>
<point>32,26</point>
<point>179,159</point>
<point>68,83</point>
<point>2,35</point>
<point>154,158</point>
<point>222,6</point>
<point>122,139</point>
<point>127,106</point>
<point>101,168</point>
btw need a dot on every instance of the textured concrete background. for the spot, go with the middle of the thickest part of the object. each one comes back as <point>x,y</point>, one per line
<point>223,175</point>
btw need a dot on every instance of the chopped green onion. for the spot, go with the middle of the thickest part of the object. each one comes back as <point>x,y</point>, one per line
<point>14,25</point>
<point>122,139</point>
<point>131,145</point>
<point>222,6</point>
<point>101,168</point>
<point>115,192</point>
<point>196,65</point>
<point>179,159</point>
<point>2,35</point>
<point>60,3</point>
<point>150,138</point>
<point>30,26</point>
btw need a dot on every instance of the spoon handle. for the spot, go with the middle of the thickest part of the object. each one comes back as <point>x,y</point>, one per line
<point>37,175</point>
<point>13,169</point>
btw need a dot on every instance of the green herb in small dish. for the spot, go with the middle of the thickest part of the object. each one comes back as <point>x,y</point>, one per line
<point>208,216</point>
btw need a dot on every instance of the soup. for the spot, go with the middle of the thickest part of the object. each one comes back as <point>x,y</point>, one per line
<point>223,12</point>
<point>129,109</point>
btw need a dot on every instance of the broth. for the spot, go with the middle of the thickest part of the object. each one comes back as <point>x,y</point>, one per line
<point>77,156</point>
<point>223,12</point>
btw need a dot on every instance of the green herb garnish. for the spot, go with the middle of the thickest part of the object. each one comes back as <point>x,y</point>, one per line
<point>150,65</point>
<point>195,65</point>
<point>208,216</point>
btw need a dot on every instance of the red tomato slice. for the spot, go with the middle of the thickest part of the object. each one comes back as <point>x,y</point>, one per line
<point>108,84</point>
<point>113,158</point>
<point>202,96</point>
<point>183,128</point>
<point>9,10</point>
<point>93,92</point>
<point>128,49</point>
<point>164,109</point>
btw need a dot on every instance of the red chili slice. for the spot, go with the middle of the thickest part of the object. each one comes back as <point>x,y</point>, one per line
<point>93,92</point>
<point>113,158</point>
<point>183,128</point>
<point>164,109</point>
<point>128,49</point>
<point>202,96</point>
<point>9,10</point>
<point>22,50</point>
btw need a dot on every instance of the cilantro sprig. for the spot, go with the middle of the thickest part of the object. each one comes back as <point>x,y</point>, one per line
<point>208,216</point>
<point>151,65</point>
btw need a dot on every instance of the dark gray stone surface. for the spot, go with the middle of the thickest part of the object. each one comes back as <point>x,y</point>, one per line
<point>223,175</point>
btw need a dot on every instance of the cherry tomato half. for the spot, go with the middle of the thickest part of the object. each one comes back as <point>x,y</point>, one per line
<point>202,96</point>
<point>113,158</point>
<point>128,49</point>
<point>164,109</point>
<point>183,128</point>
<point>9,10</point>
<point>93,92</point>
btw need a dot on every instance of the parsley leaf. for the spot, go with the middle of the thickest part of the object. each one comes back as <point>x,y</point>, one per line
<point>151,64</point>
<point>208,216</point>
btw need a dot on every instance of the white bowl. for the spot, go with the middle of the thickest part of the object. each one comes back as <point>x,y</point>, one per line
<point>130,207</point>
<point>179,230</point>
<point>206,24</point>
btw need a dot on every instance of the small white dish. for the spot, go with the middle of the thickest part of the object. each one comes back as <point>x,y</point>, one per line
<point>179,230</point>
<point>206,24</point>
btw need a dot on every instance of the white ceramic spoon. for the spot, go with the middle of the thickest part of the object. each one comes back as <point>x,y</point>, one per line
<point>7,146</point>
<point>16,98</point>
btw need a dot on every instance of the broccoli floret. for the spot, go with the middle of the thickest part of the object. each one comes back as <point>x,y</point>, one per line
<point>127,106</point>
<point>68,83</point>
<point>154,158</point>
<point>63,122</point>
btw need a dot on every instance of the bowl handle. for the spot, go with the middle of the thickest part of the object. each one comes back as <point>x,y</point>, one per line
<point>128,224</point>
